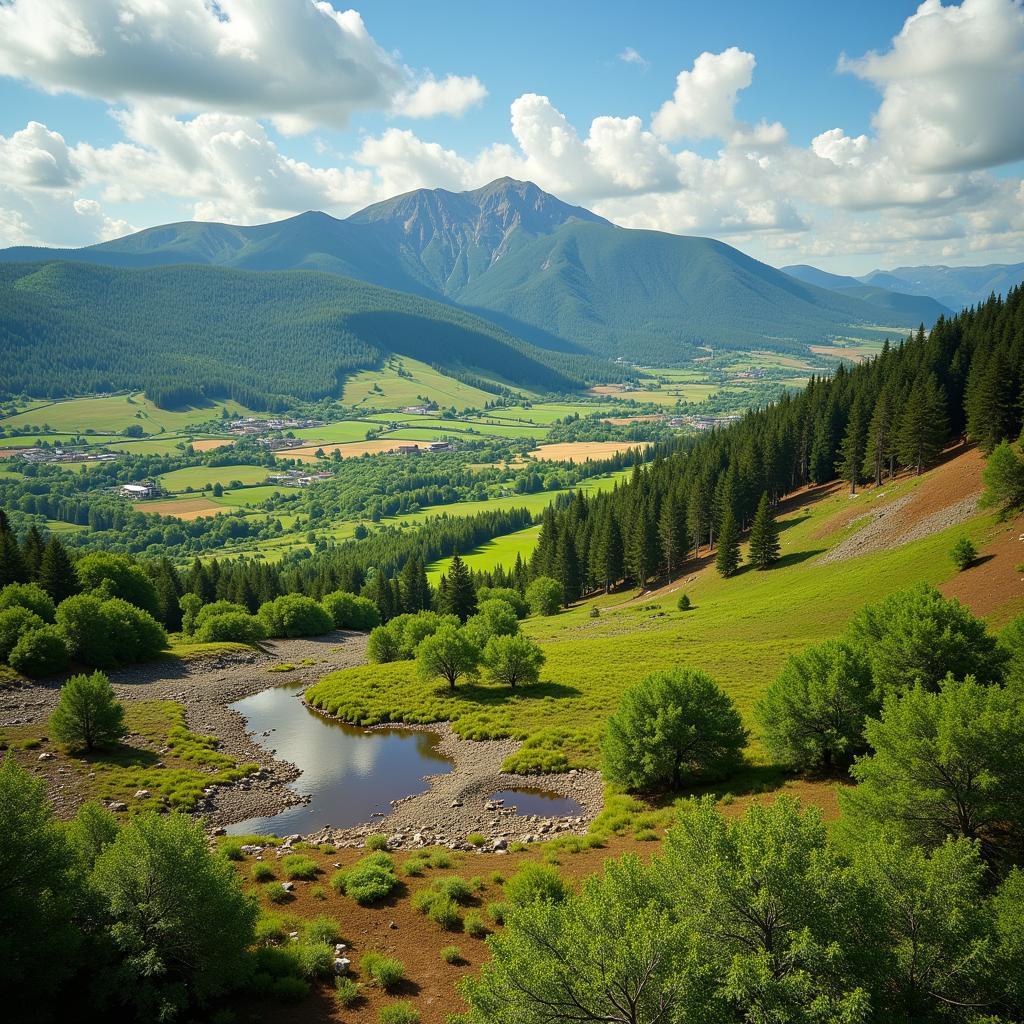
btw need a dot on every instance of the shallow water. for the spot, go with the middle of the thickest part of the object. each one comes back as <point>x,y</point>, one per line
<point>349,772</point>
<point>539,801</point>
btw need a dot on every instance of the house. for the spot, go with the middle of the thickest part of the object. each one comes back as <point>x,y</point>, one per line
<point>139,492</point>
<point>440,446</point>
<point>407,449</point>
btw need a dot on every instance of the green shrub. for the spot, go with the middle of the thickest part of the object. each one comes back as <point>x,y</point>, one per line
<point>455,888</point>
<point>40,652</point>
<point>497,912</point>
<point>474,925</point>
<point>231,848</point>
<point>444,911</point>
<point>114,575</point>
<point>683,604</point>
<point>368,880</point>
<point>321,929</point>
<point>383,645</point>
<point>496,878</point>
<point>346,992</point>
<point>293,615</point>
<point>236,627</point>
<point>289,989</point>
<point>964,553</point>
<point>350,612</point>
<point>277,893</point>
<point>440,859</point>
<point>29,596</point>
<point>595,612</point>
<point>414,867</point>
<point>510,596</point>
<point>544,596</point>
<point>270,928</point>
<point>399,1013</point>
<point>298,866</point>
<point>377,842</point>
<point>386,971</point>
<point>533,883</point>
<point>316,959</point>
<point>451,955</point>
<point>262,872</point>
<point>88,715</point>
<point>14,622</point>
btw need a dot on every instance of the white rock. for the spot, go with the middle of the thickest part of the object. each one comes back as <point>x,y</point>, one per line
<point>141,794</point>
<point>499,844</point>
<point>341,964</point>
<point>47,756</point>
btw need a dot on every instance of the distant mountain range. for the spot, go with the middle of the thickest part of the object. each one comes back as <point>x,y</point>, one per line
<point>555,276</point>
<point>949,288</point>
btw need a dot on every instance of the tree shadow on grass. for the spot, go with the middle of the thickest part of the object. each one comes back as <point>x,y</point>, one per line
<point>483,694</point>
<point>123,756</point>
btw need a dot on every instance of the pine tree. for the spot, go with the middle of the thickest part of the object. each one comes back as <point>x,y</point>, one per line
<point>12,565</point>
<point>460,595</point>
<point>32,551</point>
<point>568,569</point>
<point>641,551</point>
<point>852,450</point>
<point>991,403</point>
<point>922,426</point>
<point>57,574</point>
<point>415,589</point>
<point>879,439</point>
<point>727,560</point>
<point>611,556</point>
<point>764,536</point>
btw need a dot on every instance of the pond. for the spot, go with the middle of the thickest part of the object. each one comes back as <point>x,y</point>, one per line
<point>349,772</point>
<point>540,802</point>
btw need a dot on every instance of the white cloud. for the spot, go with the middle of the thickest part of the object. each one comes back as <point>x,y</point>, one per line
<point>705,96</point>
<point>299,62</point>
<point>37,158</point>
<point>451,95</point>
<point>631,56</point>
<point>952,86</point>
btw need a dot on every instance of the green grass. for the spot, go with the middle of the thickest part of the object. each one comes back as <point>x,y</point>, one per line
<point>251,496</point>
<point>338,432</point>
<point>187,763</point>
<point>113,413</point>
<point>739,630</point>
<point>199,477</point>
<point>500,551</point>
<point>397,391</point>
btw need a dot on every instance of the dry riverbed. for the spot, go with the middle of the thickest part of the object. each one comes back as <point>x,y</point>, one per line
<point>455,805</point>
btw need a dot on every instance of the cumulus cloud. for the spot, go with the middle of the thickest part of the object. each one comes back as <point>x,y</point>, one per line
<point>952,86</point>
<point>301,63</point>
<point>37,158</point>
<point>705,96</point>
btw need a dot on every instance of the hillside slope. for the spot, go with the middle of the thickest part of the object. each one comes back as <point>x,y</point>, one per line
<point>66,328</point>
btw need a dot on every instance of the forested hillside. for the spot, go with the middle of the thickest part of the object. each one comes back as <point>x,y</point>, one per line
<point>69,328</point>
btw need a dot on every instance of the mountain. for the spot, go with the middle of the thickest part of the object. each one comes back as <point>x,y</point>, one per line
<point>69,328</point>
<point>882,296</point>
<point>955,287</point>
<point>541,269</point>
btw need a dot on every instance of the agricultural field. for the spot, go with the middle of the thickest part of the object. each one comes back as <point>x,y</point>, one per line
<point>198,478</point>
<point>386,388</point>
<point>500,551</point>
<point>113,413</point>
<point>185,509</point>
<point>584,451</point>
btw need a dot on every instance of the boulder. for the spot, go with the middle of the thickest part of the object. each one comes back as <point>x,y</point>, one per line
<point>116,805</point>
<point>499,844</point>
<point>341,964</point>
<point>141,794</point>
<point>47,756</point>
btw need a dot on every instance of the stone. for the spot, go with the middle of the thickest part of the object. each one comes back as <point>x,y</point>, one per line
<point>288,886</point>
<point>341,964</point>
<point>141,794</point>
<point>116,805</point>
<point>392,925</point>
<point>47,756</point>
<point>499,844</point>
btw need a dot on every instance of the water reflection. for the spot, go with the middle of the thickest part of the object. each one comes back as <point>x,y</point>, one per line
<point>540,802</point>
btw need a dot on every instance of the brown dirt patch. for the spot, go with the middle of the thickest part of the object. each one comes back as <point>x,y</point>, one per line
<point>993,588</point>
<point>185,509</point>
<point>836,352</point>
<point>349,450</point>
<point>211,444</point>
<point>584,451</point>
<point>625,421</point>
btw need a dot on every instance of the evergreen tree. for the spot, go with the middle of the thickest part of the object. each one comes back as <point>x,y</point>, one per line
<point>415,589</point>
<point>568,569</point>
<point>672,534</point>
<point>727,560</point>
<point>879,448</point>
<point>611,556</point>
<point>992,402</point>
<point>12,565</point>
<point>460,594</point>
<point>853,446</point>
<point>641,552</point>
<point>923,425</point>
<point>57,574</point>
<point>764,536</point>
<point>32,551</point>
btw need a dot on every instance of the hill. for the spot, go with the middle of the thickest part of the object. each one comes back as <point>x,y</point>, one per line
<point>66,328</point>
<point>897,301</point>
<point>955,287</point>
<point>538,267</point>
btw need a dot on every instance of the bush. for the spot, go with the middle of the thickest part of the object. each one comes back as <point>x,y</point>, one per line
<point>683,604</point>
<point>455,888</point>
<point>294,615</point>
<point>673,728</point>
<point>277,893</point>
<point>298,866</point>
<point>370,879</point>
<point>964,553</point>
<point>474,925</point>
<point>438,906</point>
<point>509,595</point>
<point>112,575</point>
<point>350,612</point>
<point>493,618</point>
<point>40,652</point>
<point>399,1013</point>
<point>108,633</point>
<point>383,646</point>
<point>511,660</point>
<point>595,612</point>
<point>189,936</point>
<point>215,608</point>
<point>88,715</point>
<point>346,992</point>
<point>321,929</point>
<point>535,882</point>
<point>386,971</point>
<point>544,596</point>
<point>262,872</point>
<point>29,596</point>
<point>476,839</point>
<point>497,912</point>
<point>316,959</point>
<point>451,955</point>
<point>14,623</point>
<point>377,841</point>
<point>237,627</point>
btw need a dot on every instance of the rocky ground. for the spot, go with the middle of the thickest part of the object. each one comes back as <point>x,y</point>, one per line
<point>454,806</point>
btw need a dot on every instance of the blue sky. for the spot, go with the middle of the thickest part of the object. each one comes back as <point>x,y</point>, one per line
<point>846,135</point>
